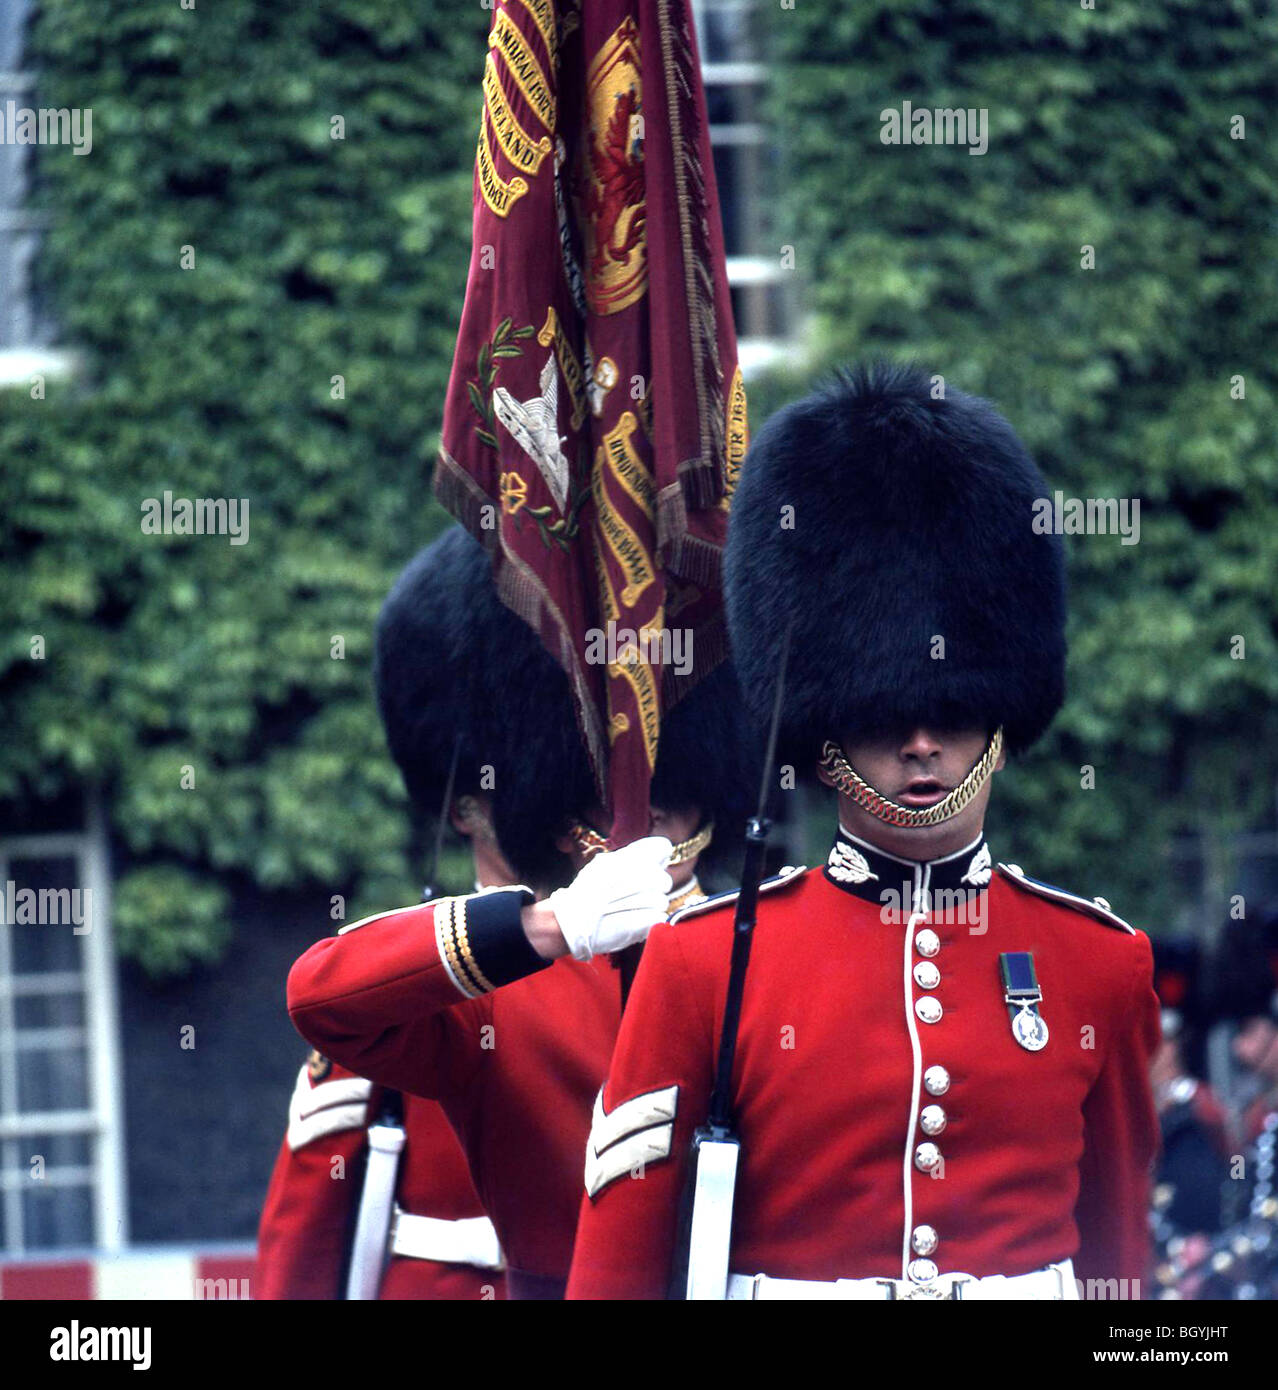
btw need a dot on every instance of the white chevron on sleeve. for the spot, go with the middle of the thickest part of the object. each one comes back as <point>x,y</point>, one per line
<point>329,1108</point>
<point>638,1131</point>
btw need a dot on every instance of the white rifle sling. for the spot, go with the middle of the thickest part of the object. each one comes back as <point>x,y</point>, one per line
<point>376,1202</point>
<point>710,1239</point>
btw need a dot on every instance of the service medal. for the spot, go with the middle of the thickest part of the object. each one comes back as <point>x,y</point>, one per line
<point>1022,995</point>
<point>1029,1029</point>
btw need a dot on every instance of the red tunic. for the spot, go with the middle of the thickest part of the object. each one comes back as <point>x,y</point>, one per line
<point>1046,1154</point>
<point>309,1214</point>
<point>515,1070</point>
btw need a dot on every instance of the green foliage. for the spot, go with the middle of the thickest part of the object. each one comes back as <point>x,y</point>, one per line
<point>314,258</point>
<point>1107,128</point>
<point>317,258</point>
<point>169,919</point>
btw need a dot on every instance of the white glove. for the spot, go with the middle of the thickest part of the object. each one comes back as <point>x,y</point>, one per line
<point>615,900</point>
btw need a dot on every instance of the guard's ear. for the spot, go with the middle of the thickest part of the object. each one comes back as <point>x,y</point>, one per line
<point>822,775</point>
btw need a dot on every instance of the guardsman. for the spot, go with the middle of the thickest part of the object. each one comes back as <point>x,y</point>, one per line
<point>504,1005</point>
<point>430,1231</point>
<point>941,1078</point>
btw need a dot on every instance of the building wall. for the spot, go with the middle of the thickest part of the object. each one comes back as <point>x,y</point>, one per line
<point>202,1125</point>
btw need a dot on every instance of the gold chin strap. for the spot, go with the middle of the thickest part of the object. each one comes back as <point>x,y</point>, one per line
<point>689,849</point>
<point>589,842</point>
<point>841,772</point>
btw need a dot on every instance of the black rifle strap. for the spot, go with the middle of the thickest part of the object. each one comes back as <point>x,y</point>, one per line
<point>720,1117</point>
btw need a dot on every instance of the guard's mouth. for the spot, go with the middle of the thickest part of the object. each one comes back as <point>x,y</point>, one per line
<point>922,791</point>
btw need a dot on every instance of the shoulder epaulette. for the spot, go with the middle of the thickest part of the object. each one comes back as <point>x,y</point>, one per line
<point>787,875</point>
<point>1093,907</point>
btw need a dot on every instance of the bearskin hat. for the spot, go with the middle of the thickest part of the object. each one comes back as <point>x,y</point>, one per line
<point>707,757</point>
<point>1181,985</point>
<point>895,530</point>
<point>517,718</point>
<point>419,672</point>
<point>522,726</point>
<point>1178,980</point>
<point>1244,969</point>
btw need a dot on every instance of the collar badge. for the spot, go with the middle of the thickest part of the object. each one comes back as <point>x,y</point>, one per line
<point>980,870</point>
<point>849,865</point>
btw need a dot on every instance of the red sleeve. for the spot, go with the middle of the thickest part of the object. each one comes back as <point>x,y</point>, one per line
<point>401,997</point>
<point>1120,1138</point>
<point>636,1158</point>
<point>308,1215</point>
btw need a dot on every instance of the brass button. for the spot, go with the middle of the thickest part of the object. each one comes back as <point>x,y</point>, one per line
<point>932,1120</point>
<point>926,1157</point>
<point>924,1240</point>
<point>928,1008</point>
<point>926,975</point>
<point>936,1080</point>
<point>926,942</point>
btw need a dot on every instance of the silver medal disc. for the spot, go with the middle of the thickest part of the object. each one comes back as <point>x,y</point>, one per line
<point>1029,1030</point>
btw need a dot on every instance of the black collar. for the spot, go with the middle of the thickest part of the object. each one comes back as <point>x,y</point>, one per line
<point>866,872</point>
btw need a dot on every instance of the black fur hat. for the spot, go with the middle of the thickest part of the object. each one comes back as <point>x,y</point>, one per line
<point>452,659</point>
<point>419,671</point>
<point>1178,981</point>
<point>522,725</point>
<point>910,520</point>
<point>1244,969</point>
<point>707,758</point>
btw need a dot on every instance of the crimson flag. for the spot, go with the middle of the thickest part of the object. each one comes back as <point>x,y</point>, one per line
<point>595,419</point>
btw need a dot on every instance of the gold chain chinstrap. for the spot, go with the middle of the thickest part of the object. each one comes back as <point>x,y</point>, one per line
<point>841,772</point>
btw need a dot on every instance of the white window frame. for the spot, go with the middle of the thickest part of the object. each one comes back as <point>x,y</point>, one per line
<point>756,353</point>
<point>20,361</point>
<point>103,1121</point>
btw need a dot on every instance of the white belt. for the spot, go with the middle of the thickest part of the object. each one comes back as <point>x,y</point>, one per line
<point>471,1241</point>
<point>1055,1281</point>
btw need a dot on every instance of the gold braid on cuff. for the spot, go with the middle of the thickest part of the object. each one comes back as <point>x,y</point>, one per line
<point>837,768</point>
<point>589,842</point>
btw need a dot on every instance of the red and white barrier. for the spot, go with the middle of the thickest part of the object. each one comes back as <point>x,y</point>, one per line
<point>149,1274</point>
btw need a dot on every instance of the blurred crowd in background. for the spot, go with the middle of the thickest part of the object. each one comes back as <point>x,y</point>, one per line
<point>1215,1078</point>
